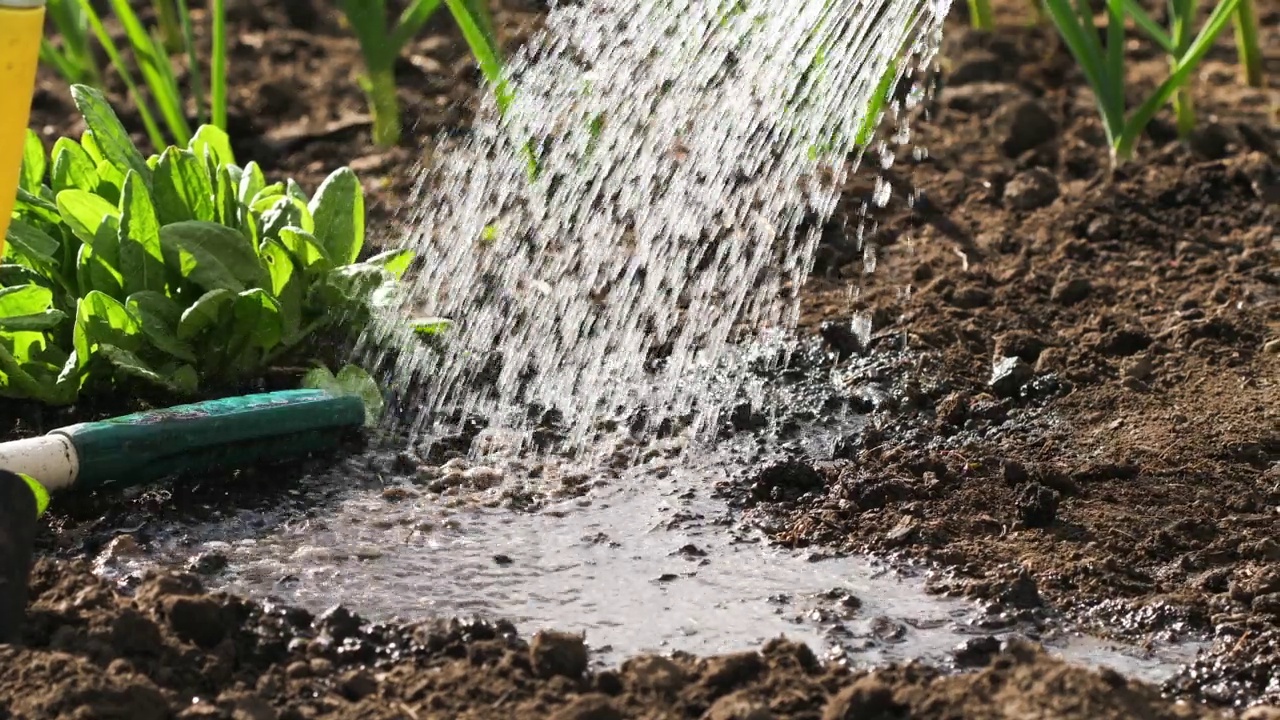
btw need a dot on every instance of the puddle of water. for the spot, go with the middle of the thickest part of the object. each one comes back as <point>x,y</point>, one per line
<point>647,561</point>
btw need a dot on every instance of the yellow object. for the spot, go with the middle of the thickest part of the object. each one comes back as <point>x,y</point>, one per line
<point>21,28</point>
<point>41,495</point>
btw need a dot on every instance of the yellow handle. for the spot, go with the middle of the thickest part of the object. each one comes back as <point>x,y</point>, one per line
<point>20,32</point>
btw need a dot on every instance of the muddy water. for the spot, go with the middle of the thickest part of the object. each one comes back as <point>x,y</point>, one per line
<point>644,560</point>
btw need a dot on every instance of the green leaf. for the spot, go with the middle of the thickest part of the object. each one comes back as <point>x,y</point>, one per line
<point>338,210</point>
<point>128,363</point>
<point>214,140</point>
<point>92,273</point>
<point>430,326</point>
<point>102,320</point>
<point>395,262</point>
<point>286,286</point>
<point>183,188</point>
<point>141,259</point>
<point>252,182</point>
<point>72,167</point>
<point>159,317</point>
<point>212,256</point>
<point>109,134</point>
<point>204,313</point>
<point>286,211</point>
<point>258,314</point>
<point>12,275</point>
<point>28,308</point>
<point>85,212</point>
<point>306,250</point>
<point>18,381</point>
<point>30,243</point>
<point>350,380</point>
<point>225,199</point>
<point>38,491</point>
<point>36,206</point>
<point>31,176</point>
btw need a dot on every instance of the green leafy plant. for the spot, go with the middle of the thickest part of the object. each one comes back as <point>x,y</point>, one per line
<point>76,19</point>
<point>381,43</point>
<point>350,380</point>
<point>183,269</point>
<point>1103,63</point>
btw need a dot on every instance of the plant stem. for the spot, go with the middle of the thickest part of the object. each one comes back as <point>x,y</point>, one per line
<point>1184,110</point>
<point>218,65</point>
<point>380,87</point>
<point>170,29</point>
<point>980,16</point>
<point>1246,22</point>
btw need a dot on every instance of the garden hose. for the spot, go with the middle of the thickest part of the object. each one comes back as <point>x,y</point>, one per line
<point>21,29</point>
<point>214,435</point>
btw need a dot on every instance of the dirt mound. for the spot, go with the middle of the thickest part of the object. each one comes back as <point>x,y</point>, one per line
<point>170,650</point>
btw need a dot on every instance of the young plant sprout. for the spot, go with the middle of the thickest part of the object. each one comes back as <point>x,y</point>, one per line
<point>1246,21</point>
<point>980,15</point>
<point>1103,64</point>
<point>75,19</point>
<point>381,45</point>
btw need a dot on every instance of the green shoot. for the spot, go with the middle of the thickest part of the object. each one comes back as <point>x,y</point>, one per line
<point>74,60</point>
<point>381,46</point>
<point>1103,66</point>
<point>218,65</point>
<point>980,15</point>
<point>1246,21</point>
<point>170,28</point>
<point>163,107</point>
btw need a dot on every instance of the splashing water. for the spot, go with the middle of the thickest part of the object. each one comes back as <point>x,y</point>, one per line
<point>638,207</point>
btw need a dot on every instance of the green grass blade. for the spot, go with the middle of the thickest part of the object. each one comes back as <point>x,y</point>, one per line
<point>218,65</point>
<point>194,76</point>
<point>411,21</point>
<point>154,64</point>
<point>1082,42</point>
<point>1246,21</point>
<point>1180,75</point>
<point>170,30</point>
<point>980,16</point>
<point>1148,25</point>
<point>73,28</point>
<point>1115,52</point>
<point>61,62</point>
<point>483,46</point>
<point>117,61</point>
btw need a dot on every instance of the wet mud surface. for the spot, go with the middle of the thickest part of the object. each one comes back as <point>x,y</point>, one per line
<point>1067,415</point>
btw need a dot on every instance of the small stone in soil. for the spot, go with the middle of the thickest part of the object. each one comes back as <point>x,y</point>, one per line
<point>840,338</point>
<point>976,652</point>
<point>1026,125</point>
<point>1070,290</point>
<point>1037,506</point>
<point>1008,376</point>
<point>503,560</point>
<point>557,653</point>
<point>209,563</point>
<point>1031,189</point>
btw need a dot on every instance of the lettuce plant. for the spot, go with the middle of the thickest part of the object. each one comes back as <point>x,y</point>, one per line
<point>182,269</point>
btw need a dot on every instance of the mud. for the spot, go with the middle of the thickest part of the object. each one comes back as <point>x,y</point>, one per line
<point>169,651</point>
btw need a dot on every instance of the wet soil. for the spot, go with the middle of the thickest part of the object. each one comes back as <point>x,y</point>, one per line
<point>170,651</point>
<point>1121,466</point>
<point>1090,420</point>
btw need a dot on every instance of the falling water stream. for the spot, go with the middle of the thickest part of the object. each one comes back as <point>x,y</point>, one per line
<point>608,240</point>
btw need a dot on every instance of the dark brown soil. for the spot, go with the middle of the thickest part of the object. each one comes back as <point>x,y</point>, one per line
<point>172,652</point>
<point>1124,467</point>
<point>1123,463</point>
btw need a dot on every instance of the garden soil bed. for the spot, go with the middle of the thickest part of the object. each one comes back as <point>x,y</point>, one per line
<point>1123,467</point>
